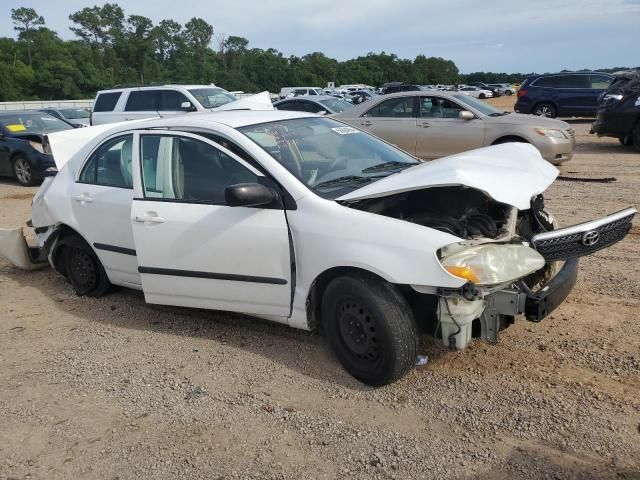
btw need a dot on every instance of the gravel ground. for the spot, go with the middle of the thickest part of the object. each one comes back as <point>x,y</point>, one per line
<point>113,388</point>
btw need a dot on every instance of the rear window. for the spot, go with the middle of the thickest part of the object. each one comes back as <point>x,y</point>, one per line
<point>106,102</point>
<point>141,101</point>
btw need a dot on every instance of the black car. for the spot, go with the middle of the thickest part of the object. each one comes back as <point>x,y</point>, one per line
<point>492,88</point>
<point>21,152</point>
<point>395,87</point>
<point>563,94</point>
<point>619,109</point>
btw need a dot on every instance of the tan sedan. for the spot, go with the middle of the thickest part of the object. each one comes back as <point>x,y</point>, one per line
<point>433,124</point>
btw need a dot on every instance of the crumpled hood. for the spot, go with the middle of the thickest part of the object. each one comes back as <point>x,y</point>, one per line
<point>510,173</point>
<point>259,101</point>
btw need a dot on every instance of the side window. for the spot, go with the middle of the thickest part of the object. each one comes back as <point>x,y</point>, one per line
<point>184,169</point>
<point>171,100</point>
<point>106,102</point>
<point>110,164</point>
<point>142,101</point>
<point>394,108</point>
<point>575,81</point>
<point>600,81</point>
<point>549,82</point>
<point>310,107</point>
<point>289,106</point>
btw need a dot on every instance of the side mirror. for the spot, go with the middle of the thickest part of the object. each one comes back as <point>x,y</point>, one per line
<point>249,195</point>
<point>466,115</point>
<point>187,107</point>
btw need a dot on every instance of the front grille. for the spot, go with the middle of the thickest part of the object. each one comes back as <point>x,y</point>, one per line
<point>555,246</point>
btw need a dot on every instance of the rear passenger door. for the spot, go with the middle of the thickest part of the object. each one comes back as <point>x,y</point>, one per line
<point>574,94</point>
<point>141,104</point>
<point>101,203</point>
<point>393,120</point>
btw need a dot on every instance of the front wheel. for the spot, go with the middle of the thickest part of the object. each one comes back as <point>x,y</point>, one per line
<point>545,110</point>
<point>370,328</point>
<point>23,171</point>
<point>508,93</point>
<point>482,95</point>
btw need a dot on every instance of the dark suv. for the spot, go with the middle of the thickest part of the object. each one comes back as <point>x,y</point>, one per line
<point>562,94</point>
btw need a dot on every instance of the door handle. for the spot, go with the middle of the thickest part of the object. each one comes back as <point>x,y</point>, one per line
<point>366,124</point>
<point>149,218</point>
<point>424,125</point>
<point>83,198</point>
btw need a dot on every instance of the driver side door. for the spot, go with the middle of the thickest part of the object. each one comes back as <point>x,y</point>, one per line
<point>193,249</point>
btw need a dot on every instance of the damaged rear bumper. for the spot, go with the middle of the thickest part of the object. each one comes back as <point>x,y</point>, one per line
<point>14,247</point>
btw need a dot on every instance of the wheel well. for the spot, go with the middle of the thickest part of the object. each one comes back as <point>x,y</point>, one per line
<point>319,285</point>
<point>61,232</point>
<point>423,306</point>
<point>510,138</point>
<point>550,102</point>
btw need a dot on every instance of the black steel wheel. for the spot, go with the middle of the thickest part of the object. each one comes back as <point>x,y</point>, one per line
<point>23,171</point>
<point>544,109</point>
<point>83,268</point>
<point>370,328</point>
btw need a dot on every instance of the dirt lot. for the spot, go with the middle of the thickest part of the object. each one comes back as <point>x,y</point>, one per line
<point>113,388</point>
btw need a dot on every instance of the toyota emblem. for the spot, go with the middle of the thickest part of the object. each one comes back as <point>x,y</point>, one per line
<point>590,238</point>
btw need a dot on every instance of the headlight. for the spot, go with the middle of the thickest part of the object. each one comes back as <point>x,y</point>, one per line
<point>36,146</point>
<point>611,97</point>
<point>550,132</point>
<point>493,264</point>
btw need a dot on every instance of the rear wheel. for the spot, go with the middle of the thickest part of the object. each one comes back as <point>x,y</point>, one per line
<point>370,327</point>
<point>508,93</point>
<point>83,268</point>
<point>23,171</point>
<point>544,110</point>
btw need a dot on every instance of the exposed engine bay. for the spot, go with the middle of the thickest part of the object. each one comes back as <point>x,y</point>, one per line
<point>464,212</point>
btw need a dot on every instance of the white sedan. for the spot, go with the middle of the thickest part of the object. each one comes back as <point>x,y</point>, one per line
<point>304,220</point>
<point>475,92</point>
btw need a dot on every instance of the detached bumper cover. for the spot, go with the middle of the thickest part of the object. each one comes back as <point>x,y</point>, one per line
<point>585,238</point>
<point>541,303</point>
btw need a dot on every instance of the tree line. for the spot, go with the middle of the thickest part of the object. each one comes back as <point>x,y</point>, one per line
<point>112,48</point>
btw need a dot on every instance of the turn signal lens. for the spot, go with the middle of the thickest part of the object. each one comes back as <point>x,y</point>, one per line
<point>463,272</point>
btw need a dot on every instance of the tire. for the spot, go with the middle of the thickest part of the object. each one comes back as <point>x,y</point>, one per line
<point>635,137</point>
<point>23,171</point>
<point>508,93</point>
<point>626,141</point>
<point>370,327</point>
<point>500,141</point>
<point>83,268</point>
<point>544,109</point>
<point>482,95</point>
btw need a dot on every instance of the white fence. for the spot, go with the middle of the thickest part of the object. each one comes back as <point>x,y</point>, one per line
<point>38,104</point>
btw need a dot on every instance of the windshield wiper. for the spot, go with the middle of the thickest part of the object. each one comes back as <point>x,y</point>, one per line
<point>387,166</point>
<point>347,179</point>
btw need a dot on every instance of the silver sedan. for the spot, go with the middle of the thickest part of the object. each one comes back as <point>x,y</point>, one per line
<point>436,124</point>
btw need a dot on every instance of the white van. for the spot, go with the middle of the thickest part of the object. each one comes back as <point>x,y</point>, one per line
<point>298,91</point>
<point>134,103</point>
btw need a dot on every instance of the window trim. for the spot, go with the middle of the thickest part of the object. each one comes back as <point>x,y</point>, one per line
<point>415,106</point>
<point>95,150</point>
<point>183,134</point>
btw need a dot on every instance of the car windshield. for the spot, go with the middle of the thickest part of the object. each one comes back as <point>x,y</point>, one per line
<point>32,123</point>
<point>336,105</point>
<point>74,113</point>
<point>212,97</point>
<point>479,105</point>
<point>329,157</point>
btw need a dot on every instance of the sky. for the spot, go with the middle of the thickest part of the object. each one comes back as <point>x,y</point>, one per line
<point>497,35</point>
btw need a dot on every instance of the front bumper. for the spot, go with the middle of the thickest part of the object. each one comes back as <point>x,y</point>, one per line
<point>541,303</point>
<point>555,150</point>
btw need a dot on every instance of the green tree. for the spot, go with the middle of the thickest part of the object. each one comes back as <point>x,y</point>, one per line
<point>25,21</point>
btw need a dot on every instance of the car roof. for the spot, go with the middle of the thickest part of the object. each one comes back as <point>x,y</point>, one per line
<point>569,73</point>
<point>308,97</point>
<point>19,112</point>
<point>148,87</point>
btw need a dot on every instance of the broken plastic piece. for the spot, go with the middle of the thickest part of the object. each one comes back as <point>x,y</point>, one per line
<point>13,246</point>
<point>421,360</point>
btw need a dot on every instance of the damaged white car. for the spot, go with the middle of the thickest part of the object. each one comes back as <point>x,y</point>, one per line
<point>306,221</point>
